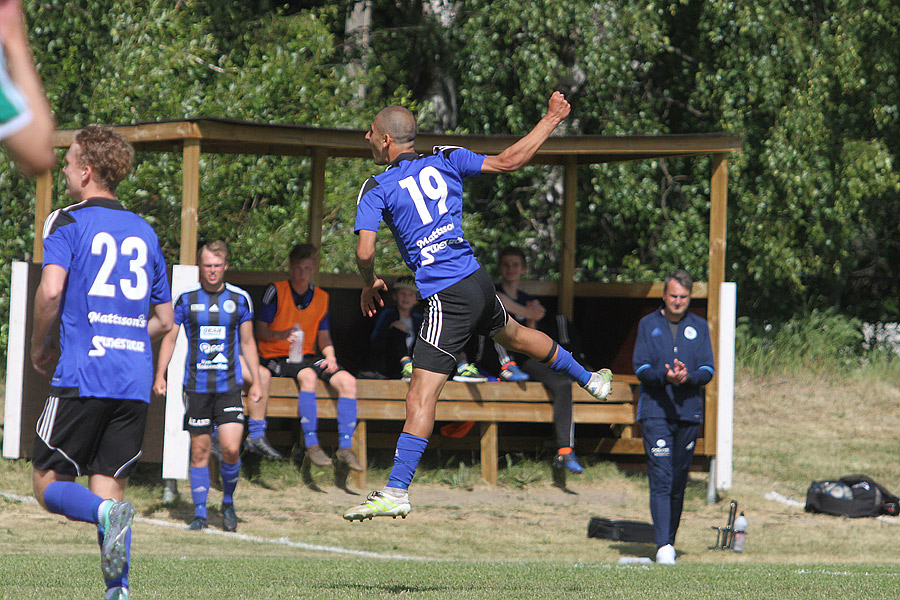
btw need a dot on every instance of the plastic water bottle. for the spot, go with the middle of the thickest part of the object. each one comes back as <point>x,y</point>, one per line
<point>740,533</point>
<point>296,353</point>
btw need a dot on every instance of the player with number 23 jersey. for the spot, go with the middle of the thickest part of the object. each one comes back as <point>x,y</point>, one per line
<point>116,271</point>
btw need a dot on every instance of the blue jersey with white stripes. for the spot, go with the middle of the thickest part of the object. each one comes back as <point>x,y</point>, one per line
<point>116,270</point>
<point>419,197</point>
<point>212,323</point>
<point>654,348</point>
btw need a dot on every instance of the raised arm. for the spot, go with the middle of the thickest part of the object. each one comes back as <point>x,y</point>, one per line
<point>517,155</point>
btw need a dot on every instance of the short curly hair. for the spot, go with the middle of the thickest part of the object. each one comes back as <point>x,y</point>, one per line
<point>107,153</point>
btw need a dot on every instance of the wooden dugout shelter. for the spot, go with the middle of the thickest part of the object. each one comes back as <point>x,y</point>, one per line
<point>191,137</point>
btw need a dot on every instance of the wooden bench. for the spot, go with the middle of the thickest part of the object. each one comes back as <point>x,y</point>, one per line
<point>485,403</point>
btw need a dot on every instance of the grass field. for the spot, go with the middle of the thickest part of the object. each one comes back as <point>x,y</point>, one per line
<point>523,539</point>
<point>313,577</point>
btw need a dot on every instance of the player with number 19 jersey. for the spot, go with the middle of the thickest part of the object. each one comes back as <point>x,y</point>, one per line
<point>419,197</point>
<point>116,270</point>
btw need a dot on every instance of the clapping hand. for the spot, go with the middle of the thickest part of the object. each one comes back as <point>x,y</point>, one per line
<point>677,374</point>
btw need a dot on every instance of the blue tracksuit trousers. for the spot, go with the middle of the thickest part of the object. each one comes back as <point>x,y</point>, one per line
<point>670,448</point>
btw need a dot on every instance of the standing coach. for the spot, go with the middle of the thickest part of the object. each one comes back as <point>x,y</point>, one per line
<point>673,360</point>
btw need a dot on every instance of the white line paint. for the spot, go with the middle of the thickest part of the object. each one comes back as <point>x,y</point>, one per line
<point>283,541</point>
<point>845,573</point>
<point>255,539</point>
<point>18,498</point>
<point>776,497</point>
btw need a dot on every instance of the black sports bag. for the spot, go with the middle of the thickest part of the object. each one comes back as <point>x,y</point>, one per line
<point>620,531</point>
<point>851,496</point>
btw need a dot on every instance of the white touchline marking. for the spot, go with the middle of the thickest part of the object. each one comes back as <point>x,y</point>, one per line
<point>283,541</point>
<point>776,497</point>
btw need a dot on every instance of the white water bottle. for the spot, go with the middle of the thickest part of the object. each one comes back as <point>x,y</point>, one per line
<point>296,353</point>
<point>740,533</point>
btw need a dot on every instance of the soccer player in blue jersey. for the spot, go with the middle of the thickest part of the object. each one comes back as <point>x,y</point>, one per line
<point>419,197</point>
<point>104,277</point>
<point>218,322</point>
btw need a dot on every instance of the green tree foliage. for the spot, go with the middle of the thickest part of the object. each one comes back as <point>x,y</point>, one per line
<point>126,62</point>
<point>633,219</point>
<point>140,63</point>
<point>810,85</point>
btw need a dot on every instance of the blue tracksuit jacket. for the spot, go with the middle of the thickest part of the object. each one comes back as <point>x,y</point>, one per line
<point>654,349</point>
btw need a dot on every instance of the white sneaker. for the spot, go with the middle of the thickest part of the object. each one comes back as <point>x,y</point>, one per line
<point>381,503</point>
<point>665,555</point>
<point>600,384</point>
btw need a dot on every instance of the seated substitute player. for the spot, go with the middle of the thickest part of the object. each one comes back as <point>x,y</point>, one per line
<point>420,199</point>
<point>396,330</point>
<point>103,276</point>
<point>527,310</point>
<point>218,323</point>
<point>289,309</point>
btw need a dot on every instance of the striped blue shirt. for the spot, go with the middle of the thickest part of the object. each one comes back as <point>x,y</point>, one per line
<point>212,324</point>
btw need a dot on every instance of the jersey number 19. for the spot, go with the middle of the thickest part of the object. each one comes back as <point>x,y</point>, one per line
<point>434,186</point>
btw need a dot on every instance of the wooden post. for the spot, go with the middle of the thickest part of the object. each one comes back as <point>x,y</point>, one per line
<point>360,446</point>
<point>718,214</point>
<point>43,203</point>
<point>190,201</point>
<point>567,267</point>
<point>317,197</point>
<point>489,453</point>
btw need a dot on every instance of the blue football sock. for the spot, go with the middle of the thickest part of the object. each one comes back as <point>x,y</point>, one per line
<point>409,451</point>
<point>72,500</point>
<point>256,428</point>
<point>309,419</point>
<point>199,489</point>
<point>230,475</point>
<point>566,364</point>
<point>346,421</point>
